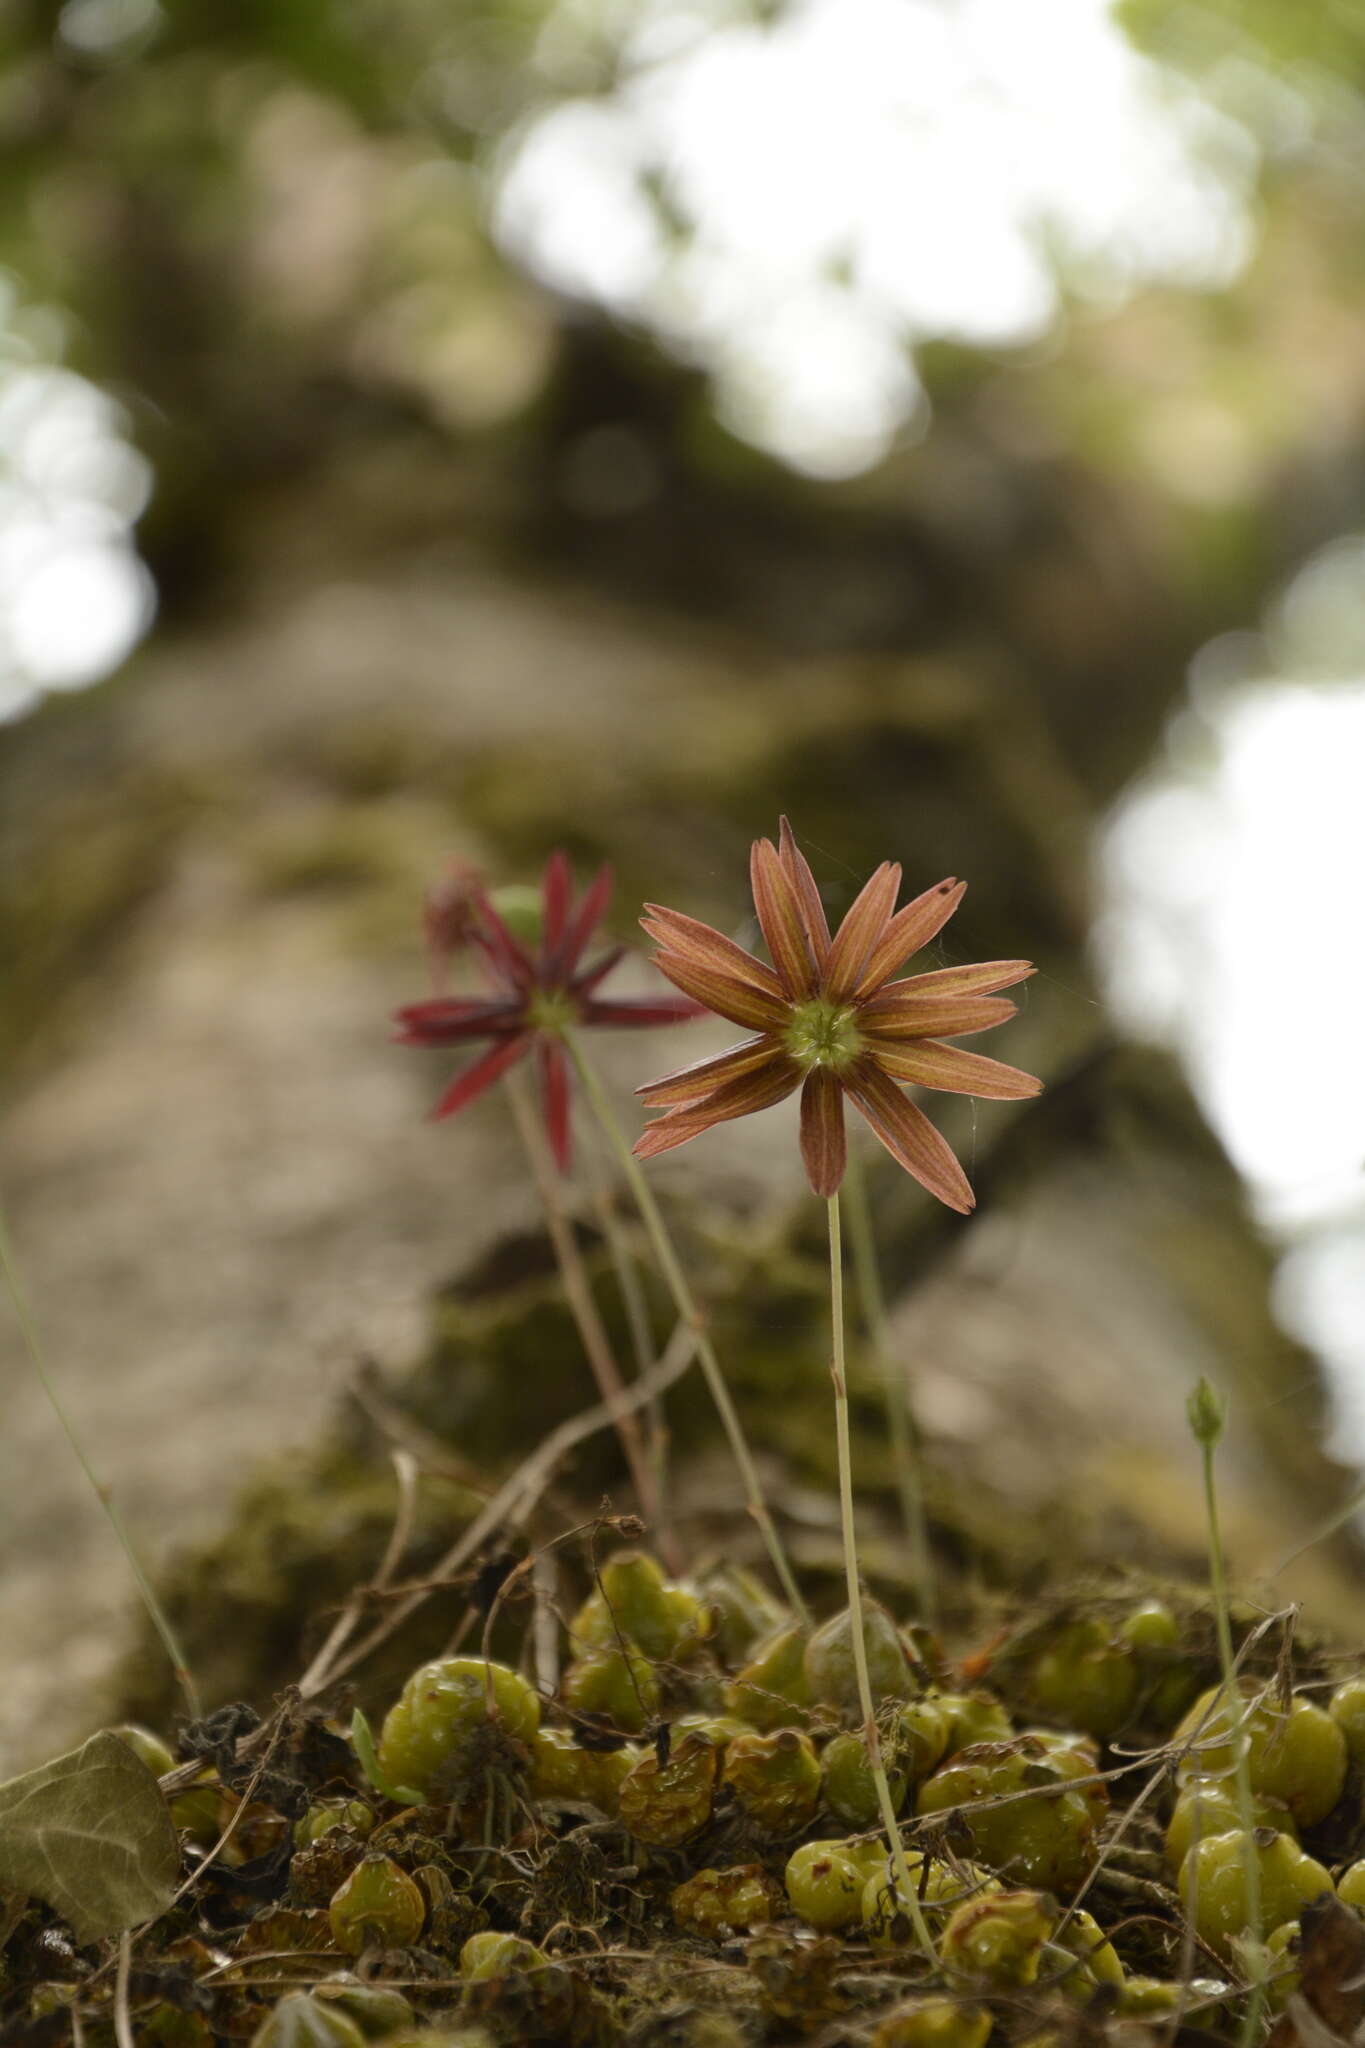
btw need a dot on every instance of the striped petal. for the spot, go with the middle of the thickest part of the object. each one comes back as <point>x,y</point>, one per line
<point>861,931</point>
<point>482,1074</point>
<point>688,1084</point>
<point>978,979</point>
<point>583,984</point>
<point>779,913</point>
<point>897,1017</point>
<point>692,940</point>
<point>930,1065</point>
<point>555,888</point>
<point>729,997</point>
<point>666,1134</point>
<point>554,1098</point>
<point>909,930</point>
<point>742,1097</point>
<point>586,918</point>
<point>509,958</point>
<point>450,1020</point>
<point>909,1136</point>
<point>631,1012</point>
<point>812,909</point>
<point>824,1143</point>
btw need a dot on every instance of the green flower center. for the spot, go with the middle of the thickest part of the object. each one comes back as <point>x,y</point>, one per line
<point>551,1009</point>
<point>823,1034</point>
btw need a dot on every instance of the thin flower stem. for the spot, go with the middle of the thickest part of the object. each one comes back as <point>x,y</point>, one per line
<point>627,1279</point>
<point>635,1307</point>
<point>1251,1867</point>
<point>578,1293</point>
<point>905,1884</point>
<point>37,1356</point>
<point>686,1303</point>
<point>905,1449</point>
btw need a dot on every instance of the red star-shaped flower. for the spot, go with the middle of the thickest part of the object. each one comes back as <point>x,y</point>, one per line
<point>830,1020</point>
<point>537,992</point>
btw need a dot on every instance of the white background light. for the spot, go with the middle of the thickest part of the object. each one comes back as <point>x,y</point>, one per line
<point>862,175</point>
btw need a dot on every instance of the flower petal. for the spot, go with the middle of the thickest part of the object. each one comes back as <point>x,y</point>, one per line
<point>824,1143</point>
<point>449,1020</point>
<point>729,997</point>
<point>664,1134</point>
<point>910,929</point>
<point>692,940</point>
<point>771,1083</point>
<point>862,929</point>
<point>913,1016</point>
<point>812,909</point>
<point>555,890</point>
<point>977,979</point>
<point>688,1084</point>
<point>909,1136</point>
<point>633,1011</point>
<point>931,1065</point>
<point>554,1098</point>
<point>586,918</point>
<point>583,984</point>
<point>482,1074</point>
<point>509,958</point>
<point>779,913</point>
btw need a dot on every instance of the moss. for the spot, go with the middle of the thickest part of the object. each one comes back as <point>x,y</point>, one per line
<point>312,1526</point>
<point>253,1605</point>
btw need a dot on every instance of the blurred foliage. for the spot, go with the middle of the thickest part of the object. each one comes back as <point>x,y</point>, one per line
<point>263,224</point>
<point>1329,36</point>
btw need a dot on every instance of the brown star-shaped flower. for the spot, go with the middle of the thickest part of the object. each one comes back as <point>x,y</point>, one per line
<point>830,1020</point>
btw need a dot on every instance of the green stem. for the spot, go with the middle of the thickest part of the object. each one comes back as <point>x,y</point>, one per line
<point>578,1292</point>
<point>636,1311</point>
<point>686,1303</point>
<point>905,1448</point>
<point>871,1736</point>
<point>1237,1717</point>
<point>34,1347</point>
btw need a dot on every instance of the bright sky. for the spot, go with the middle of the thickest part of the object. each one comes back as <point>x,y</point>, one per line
<point>1235,876</point>
<point>862,175</point>
<point>74,597</point>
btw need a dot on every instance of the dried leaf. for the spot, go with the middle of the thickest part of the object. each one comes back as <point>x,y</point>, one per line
<point>1331,2000</point>
<point>90,1834</point>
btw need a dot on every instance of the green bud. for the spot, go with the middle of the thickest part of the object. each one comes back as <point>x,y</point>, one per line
<point>146,1747</point>
<point>298,2021</point>
<point>378,1906</point>
<point>374,2008</point>
<point>492,1955</point>
<point>518,905</point>
<point>1206,1412</point>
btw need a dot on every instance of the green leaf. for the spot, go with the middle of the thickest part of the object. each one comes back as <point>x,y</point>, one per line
<point>91,1835</point>
<point>362,1741</point>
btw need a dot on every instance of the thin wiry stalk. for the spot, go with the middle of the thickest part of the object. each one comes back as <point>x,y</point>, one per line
<point>513,1502</point>
<point>38,1358</point>
<point>578,1293</point>
<point>838,1372</point>
<point>686,1304</point>
<point>905,1449</point>
<point>123,2025</point>
<point>1207,1436</point>
<point>636,1308</point>
<point>407,1474</point>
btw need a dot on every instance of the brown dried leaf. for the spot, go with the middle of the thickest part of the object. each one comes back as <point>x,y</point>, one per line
<point>1331,1993</point>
